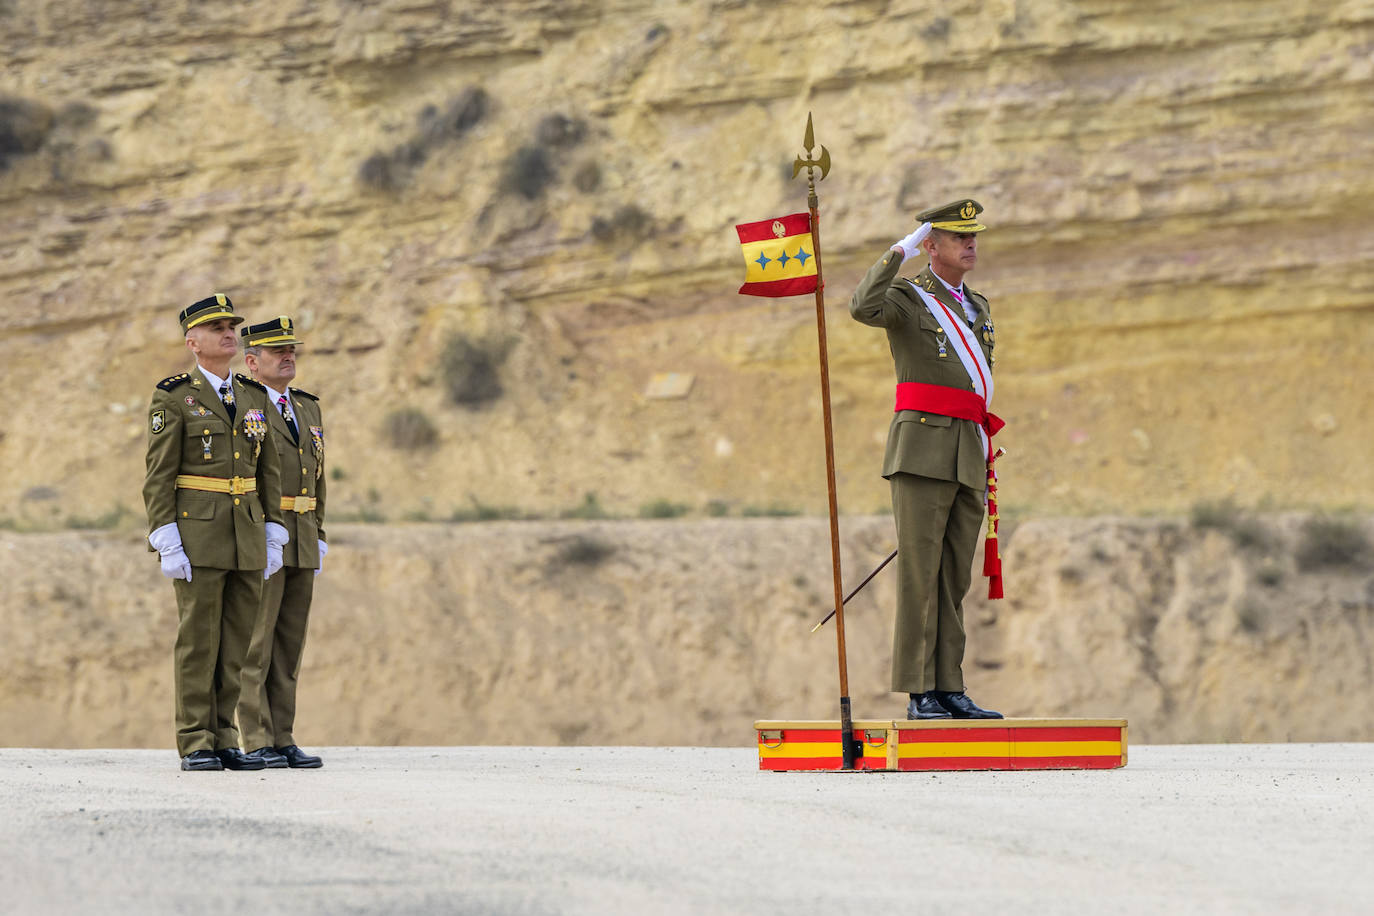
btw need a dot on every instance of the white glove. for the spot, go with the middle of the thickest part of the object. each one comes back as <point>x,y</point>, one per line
<point>911,245</point>
<point>167,542</point>
<point>277,537</point>
<point>324,550</point>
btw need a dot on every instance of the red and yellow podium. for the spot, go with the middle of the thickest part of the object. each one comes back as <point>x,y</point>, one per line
<point>947,744</point>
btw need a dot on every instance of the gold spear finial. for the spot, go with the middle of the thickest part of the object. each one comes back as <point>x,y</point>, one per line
<point>823,163</point>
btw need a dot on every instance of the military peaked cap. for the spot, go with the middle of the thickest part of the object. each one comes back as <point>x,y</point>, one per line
<point>960,216</point>
<point>279,332</point>
<point>208,309</point>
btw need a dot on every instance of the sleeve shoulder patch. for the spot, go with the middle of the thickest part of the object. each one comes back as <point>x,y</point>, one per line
<point>305,394</point>
<point>173,381</point>
<point>250,382</point>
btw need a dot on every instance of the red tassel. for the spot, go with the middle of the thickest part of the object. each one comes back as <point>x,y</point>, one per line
<point>995,586</point>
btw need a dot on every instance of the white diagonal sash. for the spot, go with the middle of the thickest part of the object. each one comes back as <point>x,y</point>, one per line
<point>970,354</point>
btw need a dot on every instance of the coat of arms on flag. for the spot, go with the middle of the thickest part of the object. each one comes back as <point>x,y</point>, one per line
<point>779,256</point>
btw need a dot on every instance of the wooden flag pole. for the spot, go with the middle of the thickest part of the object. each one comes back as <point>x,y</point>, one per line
<point>823,163</point>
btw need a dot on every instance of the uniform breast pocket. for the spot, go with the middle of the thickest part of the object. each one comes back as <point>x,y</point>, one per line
<point>934,342</point>
<point>195,506</point>
<point>206,439</point>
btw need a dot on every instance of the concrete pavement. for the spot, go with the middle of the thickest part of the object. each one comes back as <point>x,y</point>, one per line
<point>1204,829</point>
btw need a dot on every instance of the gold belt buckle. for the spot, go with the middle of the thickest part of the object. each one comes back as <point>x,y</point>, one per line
<point>238,486</point>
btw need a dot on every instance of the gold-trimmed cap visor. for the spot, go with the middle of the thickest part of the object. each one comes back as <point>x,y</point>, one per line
<point>279,332</point>
<point>966,226</point>
<point>959,216</point>
<point>208,309</point>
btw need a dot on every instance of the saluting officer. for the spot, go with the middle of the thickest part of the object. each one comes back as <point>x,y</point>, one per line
<point>213,495</point>
<point>938,461</point>
<point>267,706</point>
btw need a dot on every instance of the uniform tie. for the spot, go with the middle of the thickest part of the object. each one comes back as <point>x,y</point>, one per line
<point>285,407</point>
<point>226,394</point>
<point>959,298</point>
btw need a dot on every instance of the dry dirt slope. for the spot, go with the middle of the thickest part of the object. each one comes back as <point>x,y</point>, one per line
<point>663,632</point>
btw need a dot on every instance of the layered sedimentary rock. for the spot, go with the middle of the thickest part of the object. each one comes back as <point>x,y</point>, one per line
<point>1178,263</point>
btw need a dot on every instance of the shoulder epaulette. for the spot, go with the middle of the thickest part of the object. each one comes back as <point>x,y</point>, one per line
<point>250,381</point>
<point>305,394</point>
<point>974,294</point>
<point>172,381</point>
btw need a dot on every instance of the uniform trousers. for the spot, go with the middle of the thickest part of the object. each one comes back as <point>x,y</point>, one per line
<point>938,522</point>
<point>217,611</point>
<point>267,709</point>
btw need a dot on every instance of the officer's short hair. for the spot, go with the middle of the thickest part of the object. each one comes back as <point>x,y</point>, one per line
<point>255,352</point>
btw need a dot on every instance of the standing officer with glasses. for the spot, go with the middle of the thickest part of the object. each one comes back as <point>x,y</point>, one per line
<point>213,496</point>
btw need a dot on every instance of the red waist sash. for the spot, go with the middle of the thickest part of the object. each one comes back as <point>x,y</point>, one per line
<point>964,405</point>
<point>949,402</point>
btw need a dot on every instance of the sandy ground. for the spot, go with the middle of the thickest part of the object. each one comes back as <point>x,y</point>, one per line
<point>1215,829</point>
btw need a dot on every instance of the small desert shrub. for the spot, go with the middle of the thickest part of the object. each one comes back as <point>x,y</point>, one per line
<point>481,512</point>
<point>558,131</point>
<point>662,508</point>
<point>583,551</point>
<point>1332,543</point>
<point>462,113</point>
<point>434,128</point>
<point>626,222</point>
<point>587,178</point>
<point>717,508</point>
<point>1251,618</point>
<point>773,510</point>
<point>1217,515</point>
<point>105,522</point>
<point>24,126</point>
<point>1269,575</point>
<point>469,371</point>
<point>409,428</point>
<point>380,171</point>
<point>590,509</point>
<point>528,172</point>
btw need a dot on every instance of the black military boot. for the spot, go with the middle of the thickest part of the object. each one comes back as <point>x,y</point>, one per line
<point>925,706</point>
<point>961,707</point>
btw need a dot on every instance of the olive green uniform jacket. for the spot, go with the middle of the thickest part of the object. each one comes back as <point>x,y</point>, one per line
<point>925,444</point>
<point>190,433</point>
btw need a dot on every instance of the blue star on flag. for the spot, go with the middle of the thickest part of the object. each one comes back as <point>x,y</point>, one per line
<point>763,260</point>
<point>802,256</point>
<point>782,261</point>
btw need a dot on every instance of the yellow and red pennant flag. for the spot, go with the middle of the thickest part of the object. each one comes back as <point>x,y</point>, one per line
<point>779,256</point>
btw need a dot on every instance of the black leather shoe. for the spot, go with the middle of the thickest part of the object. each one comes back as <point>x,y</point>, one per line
<point>298,759</point>
<point>235,759</point>
<point>925,706</point>
<point>201,760</point>
<point>269,756</point>
<point>961,707</point>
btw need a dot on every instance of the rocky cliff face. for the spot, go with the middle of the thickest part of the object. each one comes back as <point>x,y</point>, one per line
<point>673,632</point>
<point>496,223</point>
<point>503,219</point>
